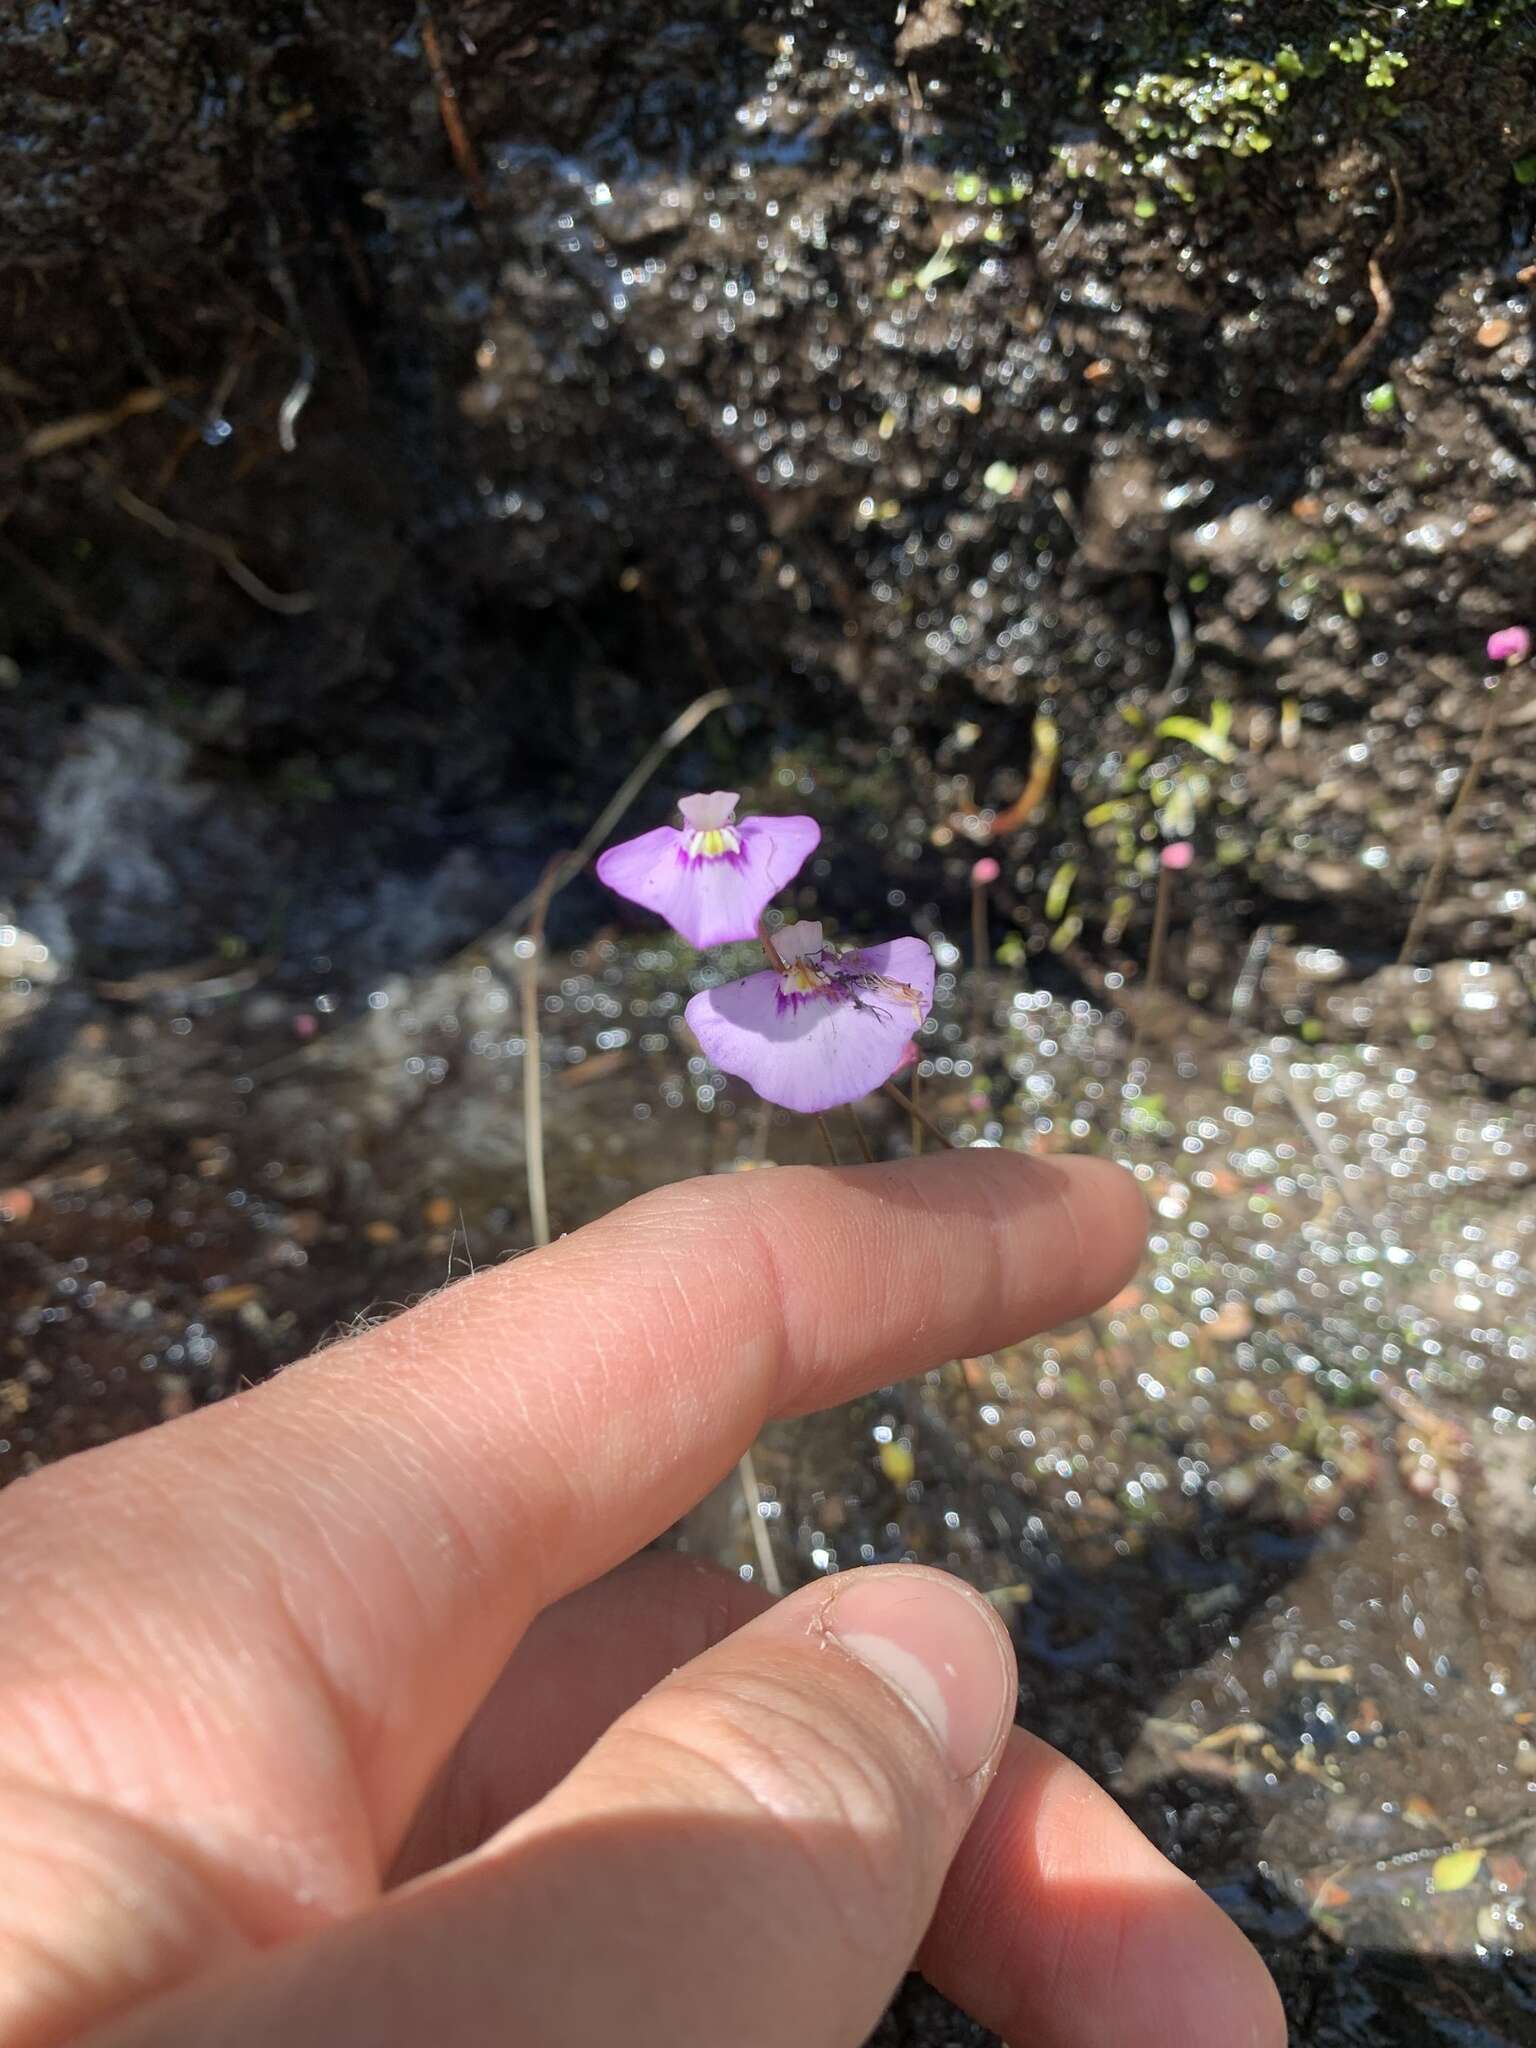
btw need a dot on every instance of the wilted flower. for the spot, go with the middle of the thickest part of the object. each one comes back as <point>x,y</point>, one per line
<point>819,1027</point>
<point>1510,643</point>
<point>712,880</point>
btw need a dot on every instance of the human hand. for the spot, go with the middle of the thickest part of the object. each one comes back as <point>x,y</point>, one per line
<point>320,1723</point>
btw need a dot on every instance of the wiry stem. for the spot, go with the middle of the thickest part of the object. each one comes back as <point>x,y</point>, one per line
<point>1464,795</point>
<point>826,1139</point>
<point>862,1134</point>
<point>533,1055</point>
<point>565,867</point>
<point>1160,927</point>
<point>981,952</point>
<point>919,1116</point>
<point>533,1100</point>
<point>570,865</point>
<point>752,1494</point>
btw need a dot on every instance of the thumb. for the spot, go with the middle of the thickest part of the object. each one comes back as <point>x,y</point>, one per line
<point>770,1829</point>
<point>751,1854</point>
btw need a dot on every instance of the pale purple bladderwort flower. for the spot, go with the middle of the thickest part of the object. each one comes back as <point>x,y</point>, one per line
<point>713,879</point>
<point>820,1026</point>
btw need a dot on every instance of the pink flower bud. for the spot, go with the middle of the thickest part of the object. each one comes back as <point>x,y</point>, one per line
<point>1178,856</point>
<point>985,871</point>
<point>1510,643</point>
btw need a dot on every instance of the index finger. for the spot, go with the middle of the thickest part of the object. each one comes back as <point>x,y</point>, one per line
<point>414,1496</point>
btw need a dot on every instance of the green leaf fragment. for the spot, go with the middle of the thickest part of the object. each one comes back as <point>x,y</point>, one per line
<point>1205,737</point>
<point>1454,1871</point>
<point>1060,890</point>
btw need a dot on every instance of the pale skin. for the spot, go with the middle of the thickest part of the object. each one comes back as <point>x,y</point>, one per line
<point>343,1712</point>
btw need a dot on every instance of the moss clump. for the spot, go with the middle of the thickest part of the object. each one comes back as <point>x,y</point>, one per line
<point>1232,104</point>
<point>1188,86</point>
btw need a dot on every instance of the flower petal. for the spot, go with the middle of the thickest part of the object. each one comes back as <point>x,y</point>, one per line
<point>719,898</point>
<point>781,845</point>
<point>708,809</point>
<point>821,1052</point>
<point>645,870</point>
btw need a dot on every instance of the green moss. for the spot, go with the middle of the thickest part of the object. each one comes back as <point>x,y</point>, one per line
<point>1188,87</point>
<point>1232,104</point>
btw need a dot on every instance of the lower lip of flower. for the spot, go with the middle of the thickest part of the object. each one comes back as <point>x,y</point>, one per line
<point>721,842</point>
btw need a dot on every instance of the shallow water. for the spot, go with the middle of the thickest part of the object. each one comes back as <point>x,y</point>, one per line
<point>1261,1528</point>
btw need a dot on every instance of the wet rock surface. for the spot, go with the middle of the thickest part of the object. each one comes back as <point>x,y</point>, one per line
<point>501,380</point>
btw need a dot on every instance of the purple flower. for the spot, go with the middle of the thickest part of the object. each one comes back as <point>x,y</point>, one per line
<point>820,1027</point>
<point>712,880</point>
<point>1510,643</point>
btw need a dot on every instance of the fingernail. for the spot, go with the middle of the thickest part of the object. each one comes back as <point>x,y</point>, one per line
<point>937,1645</point>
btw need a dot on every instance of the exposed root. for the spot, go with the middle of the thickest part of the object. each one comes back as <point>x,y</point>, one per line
<point>1381,292</point>
<point>290,604</point>
<point>57,435</point>
<point>449,114</point>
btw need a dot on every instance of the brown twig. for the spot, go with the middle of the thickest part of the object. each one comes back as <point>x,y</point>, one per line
<point>449,114</point>
<point>1381,292</point>
<point>1042,767</point>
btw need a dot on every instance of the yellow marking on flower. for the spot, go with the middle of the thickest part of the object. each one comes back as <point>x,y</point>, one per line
<point>802,978</point>
<point>713,844</point>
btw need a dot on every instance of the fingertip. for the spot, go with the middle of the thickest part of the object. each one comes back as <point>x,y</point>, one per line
<point>930,1639</point>
<point>1111,1212</point>
<point>1061,1924</point>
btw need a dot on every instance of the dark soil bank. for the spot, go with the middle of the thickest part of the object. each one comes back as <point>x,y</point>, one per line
<point>1063,431</point>
<point>408,414</point>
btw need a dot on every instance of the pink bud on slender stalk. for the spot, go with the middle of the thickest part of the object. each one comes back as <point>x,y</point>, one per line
<point>983,875</point>
<point>1175,858</point>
